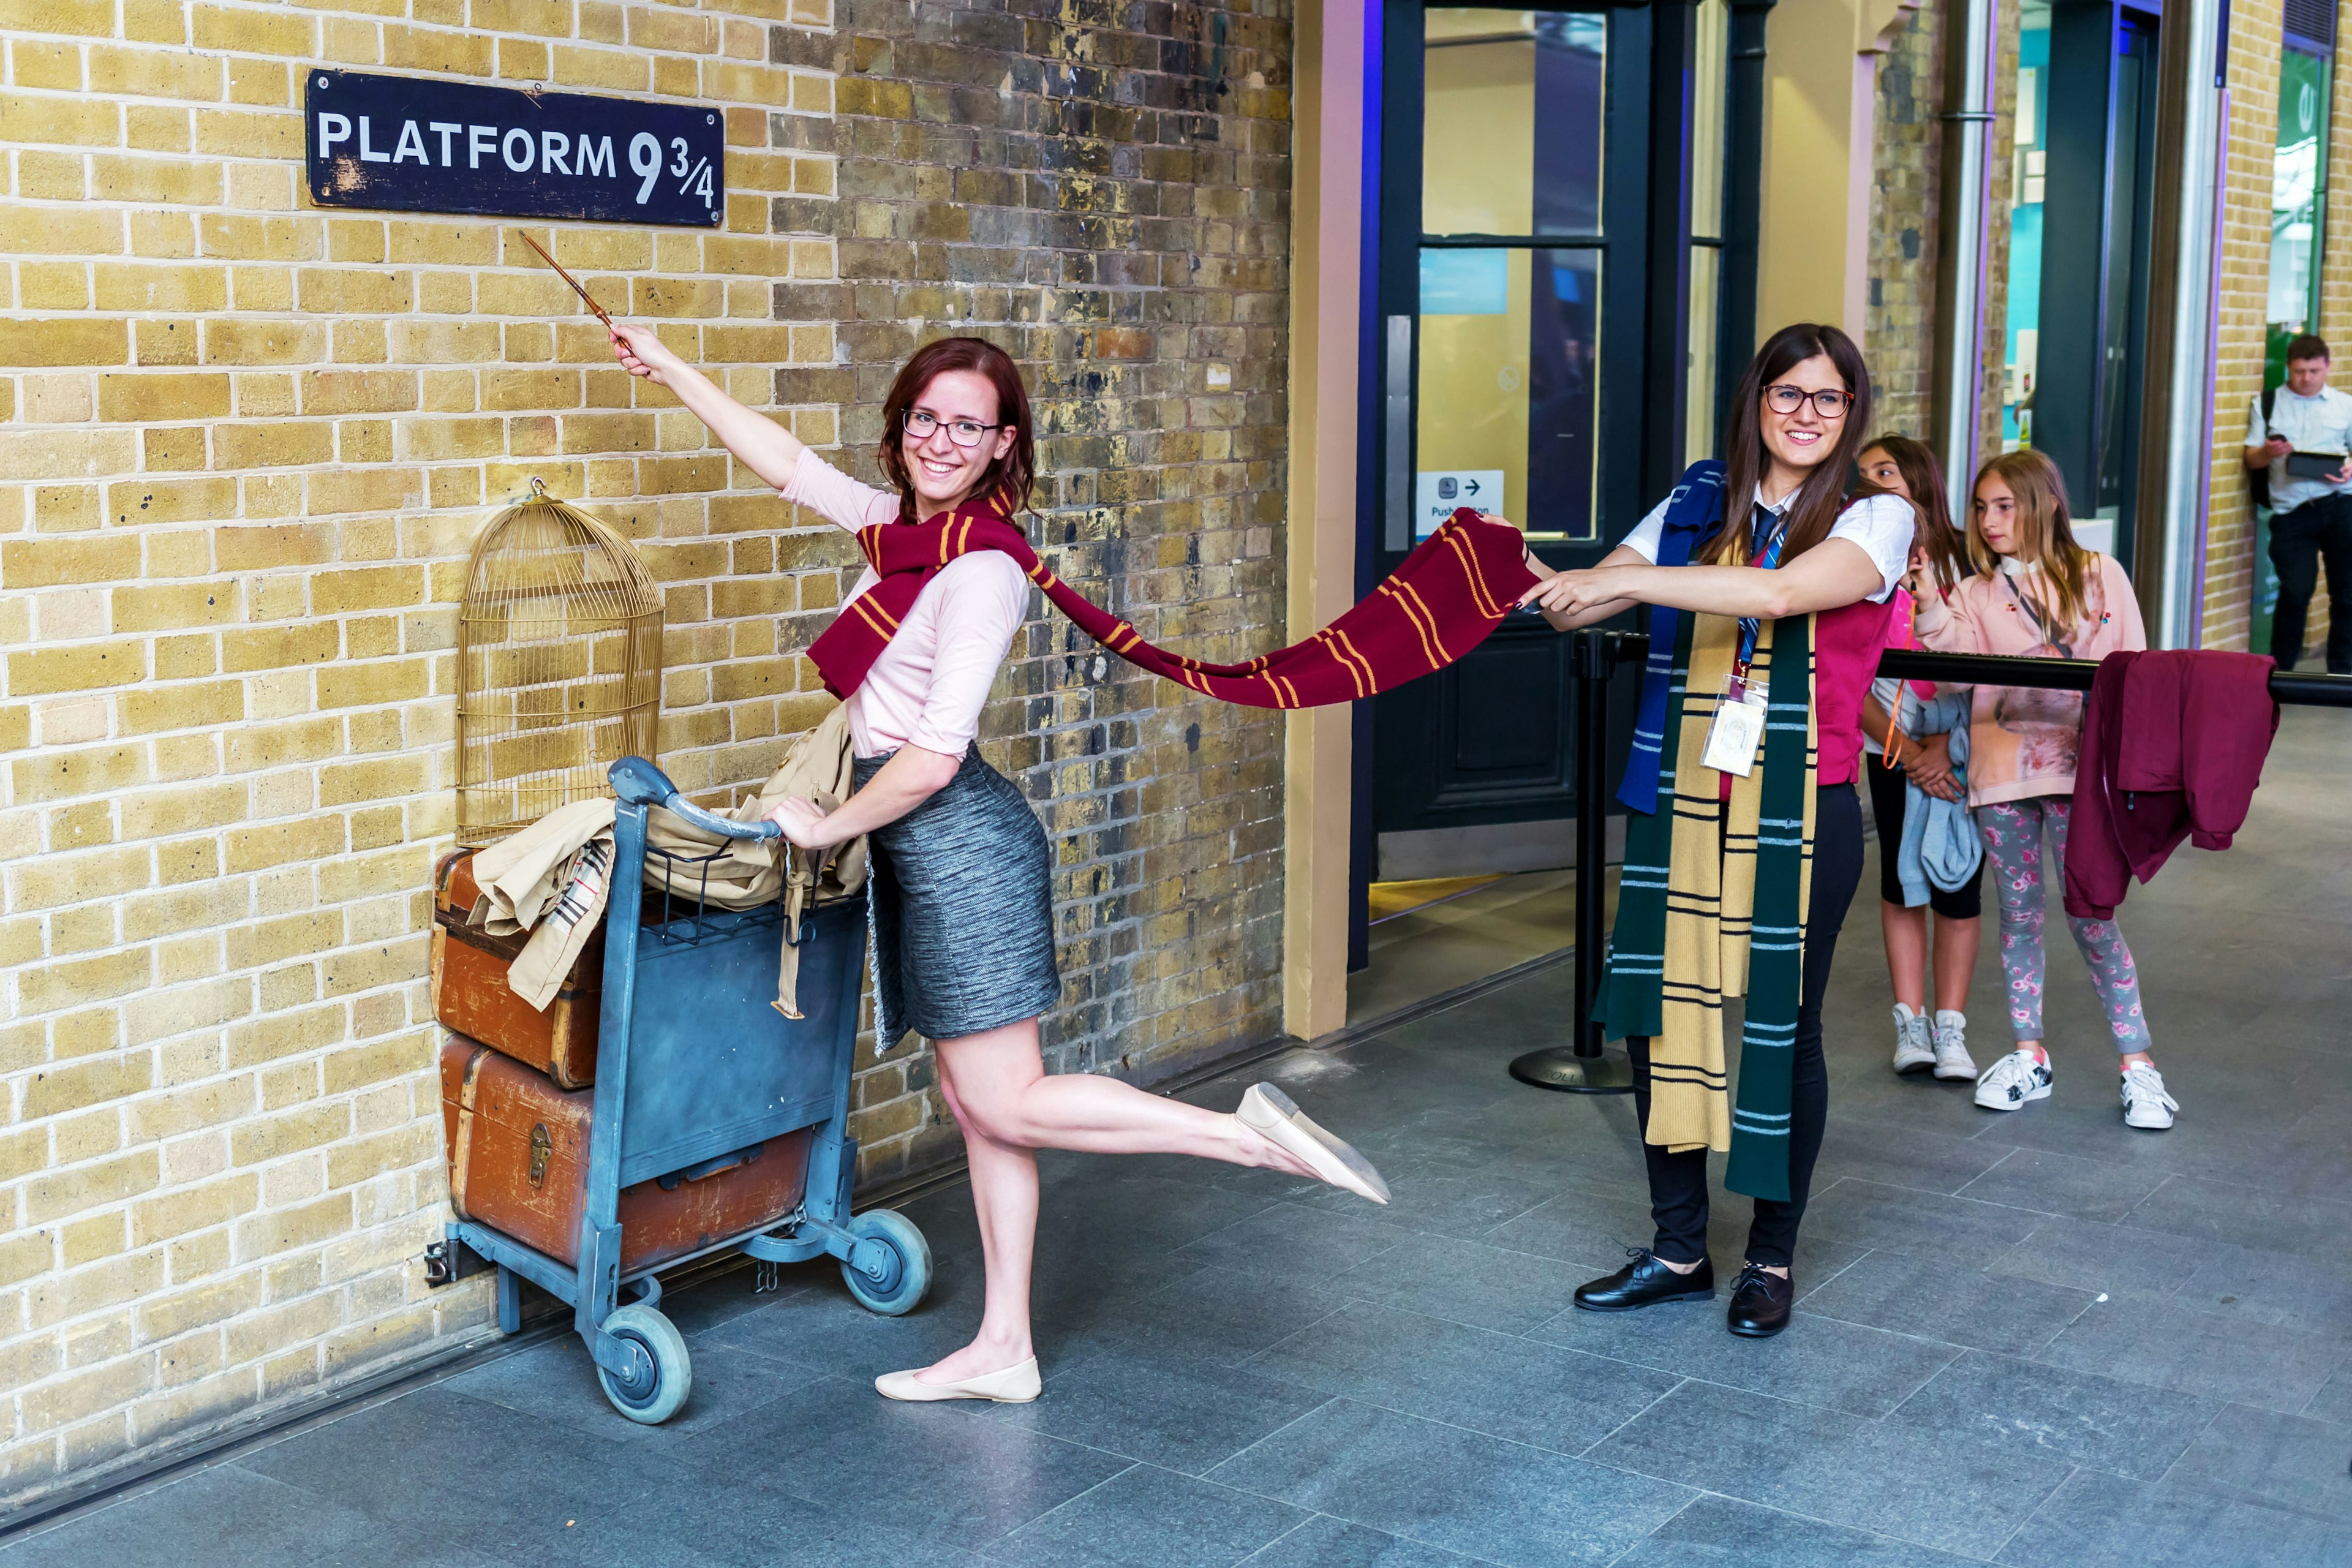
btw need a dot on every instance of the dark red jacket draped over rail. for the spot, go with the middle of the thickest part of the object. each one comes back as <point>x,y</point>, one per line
<point>2173,745</point>
<point>1452,590</point>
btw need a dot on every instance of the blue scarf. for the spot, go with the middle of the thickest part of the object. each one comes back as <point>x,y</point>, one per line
<point>1692,513</point>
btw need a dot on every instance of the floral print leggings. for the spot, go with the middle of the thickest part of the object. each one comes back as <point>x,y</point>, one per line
<point>2012,833</point>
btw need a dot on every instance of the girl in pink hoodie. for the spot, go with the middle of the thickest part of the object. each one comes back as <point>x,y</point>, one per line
<point>2034,592</point>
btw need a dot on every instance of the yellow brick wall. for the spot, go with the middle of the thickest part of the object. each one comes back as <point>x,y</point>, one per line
<point>243,447</point>
<point>2254,41</point>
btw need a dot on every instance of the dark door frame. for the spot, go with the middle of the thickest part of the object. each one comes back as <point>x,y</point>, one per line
<point>1645,242</point>
<point>2073,404</point>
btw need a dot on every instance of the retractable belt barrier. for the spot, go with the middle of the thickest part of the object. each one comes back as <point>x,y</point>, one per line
<point>1583,1067</point>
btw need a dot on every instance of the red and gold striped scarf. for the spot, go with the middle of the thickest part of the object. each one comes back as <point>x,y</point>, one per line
<point>1452,590</point>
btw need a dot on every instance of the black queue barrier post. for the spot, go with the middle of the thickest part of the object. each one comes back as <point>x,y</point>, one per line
<point>1586,1066</point>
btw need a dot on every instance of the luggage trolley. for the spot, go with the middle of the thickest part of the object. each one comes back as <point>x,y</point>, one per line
<point>698,1071</point>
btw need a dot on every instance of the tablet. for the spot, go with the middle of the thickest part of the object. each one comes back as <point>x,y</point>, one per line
<point>2312,465</point>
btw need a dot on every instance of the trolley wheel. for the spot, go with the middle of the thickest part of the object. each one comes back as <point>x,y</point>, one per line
<point>906,1263</point>
<point>655,1398</point>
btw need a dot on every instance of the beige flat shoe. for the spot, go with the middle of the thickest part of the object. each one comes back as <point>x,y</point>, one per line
<point>1266,1109</point>
<point>1014,1386</point>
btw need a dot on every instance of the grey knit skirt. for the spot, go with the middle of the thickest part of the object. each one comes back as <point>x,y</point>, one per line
<point>960,900</point>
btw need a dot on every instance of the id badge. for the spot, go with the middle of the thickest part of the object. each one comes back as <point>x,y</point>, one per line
<point>1732,739</point>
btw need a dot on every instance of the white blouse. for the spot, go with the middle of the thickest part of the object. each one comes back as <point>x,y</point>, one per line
<point>929,684</point>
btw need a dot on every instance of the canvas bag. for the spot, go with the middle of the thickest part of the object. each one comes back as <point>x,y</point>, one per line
<point>751,872</point>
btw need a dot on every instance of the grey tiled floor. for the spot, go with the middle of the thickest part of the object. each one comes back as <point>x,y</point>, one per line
<point>2033,1338</point>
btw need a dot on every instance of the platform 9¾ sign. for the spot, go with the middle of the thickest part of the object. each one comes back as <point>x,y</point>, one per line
<point>416,144</point>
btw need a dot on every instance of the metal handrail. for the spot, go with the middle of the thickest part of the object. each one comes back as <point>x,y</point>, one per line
<point>1593,662</point>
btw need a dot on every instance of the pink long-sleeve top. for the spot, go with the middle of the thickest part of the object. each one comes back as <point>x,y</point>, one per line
<point>2024,741</point>
<point>927,686</point>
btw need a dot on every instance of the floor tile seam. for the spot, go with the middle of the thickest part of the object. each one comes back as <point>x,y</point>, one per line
<point>1834,1276</point>
<point>985,1550</point>
<point>1932,1193</point>
<point>2012,1152</point>
<point>2034,1512</point>
<point>1766,1503</point>
<point>1871,1530</point>
<point>2343,1356</point>
<point>1312,1515</point>
<point>2225,1406</point>
<point>1586,1454</point>
<point>2241,1497</point>
<point>1698,1495</point>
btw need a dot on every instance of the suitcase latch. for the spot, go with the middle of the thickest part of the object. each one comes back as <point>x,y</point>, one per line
<point>541,1145</point>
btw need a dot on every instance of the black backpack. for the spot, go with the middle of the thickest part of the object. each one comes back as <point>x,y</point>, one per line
<point>2258,480</point>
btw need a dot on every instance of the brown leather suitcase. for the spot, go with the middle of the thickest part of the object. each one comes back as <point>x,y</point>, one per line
<point>470,993</point>
<point>518,1150</point>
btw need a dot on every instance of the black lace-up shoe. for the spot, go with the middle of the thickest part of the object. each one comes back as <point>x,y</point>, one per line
<point>1645,1282</point>
<point>1761,1301</point>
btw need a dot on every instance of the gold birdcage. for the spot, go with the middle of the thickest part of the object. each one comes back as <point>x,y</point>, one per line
<point>559,665</point>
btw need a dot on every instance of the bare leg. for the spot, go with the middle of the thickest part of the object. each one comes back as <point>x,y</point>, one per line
<point>1008,1105</point>
<point>1906,952</point>
<point>1955,960</point>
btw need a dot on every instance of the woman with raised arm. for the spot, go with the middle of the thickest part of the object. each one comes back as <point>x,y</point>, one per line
<point>1772,591</point>
<point>961,888</point>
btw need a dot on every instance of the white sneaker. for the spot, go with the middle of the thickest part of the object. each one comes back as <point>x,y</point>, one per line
<point>1913,1048</point>
<point>2012,1081</point>
<point>2145,1104</point>
<point>1952,1058</point>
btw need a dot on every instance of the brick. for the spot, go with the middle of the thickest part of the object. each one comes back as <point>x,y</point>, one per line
<point>69,341</point>
<point>159,501</point>
<point>56,563</point>
<point>145,398</point>
<point>276,844</point>
<point>45,120</point>
<point>52,882</point>
<point>274,647</point>
<point>56,1196</point>
<point>176,1313</point>
<point>80,668</point>
<point>357,391</point>
<point>253,32</point>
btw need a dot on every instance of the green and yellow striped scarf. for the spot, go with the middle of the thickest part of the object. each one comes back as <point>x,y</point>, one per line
<point>1713,906</point>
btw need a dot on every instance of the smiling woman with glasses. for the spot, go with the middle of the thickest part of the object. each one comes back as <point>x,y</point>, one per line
<point>1771,597</point>
<point>961,892</point>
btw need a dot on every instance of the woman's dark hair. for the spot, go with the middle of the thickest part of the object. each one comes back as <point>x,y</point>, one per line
<point>1823,495</point>
<point>1016,472</point>
<point>1933,531</point>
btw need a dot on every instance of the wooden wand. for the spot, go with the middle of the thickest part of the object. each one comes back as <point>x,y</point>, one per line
<point>588,298</point>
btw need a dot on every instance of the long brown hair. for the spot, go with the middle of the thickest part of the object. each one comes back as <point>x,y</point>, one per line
<point>2045,534</point>
<point>1016,471</point>
<point>1933,531</point>
<point>1814,507</point>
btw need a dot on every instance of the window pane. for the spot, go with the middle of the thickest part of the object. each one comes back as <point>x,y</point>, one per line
<point>1509,343</point>
<point>1511,123</point>
<point>2023,335</point>
<point>1710,90</point>
<point>1699,434</point>
<point>2294,187</point>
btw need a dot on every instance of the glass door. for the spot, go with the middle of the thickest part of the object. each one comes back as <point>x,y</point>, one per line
<point>1509,264</point>
<point>1526,244</point>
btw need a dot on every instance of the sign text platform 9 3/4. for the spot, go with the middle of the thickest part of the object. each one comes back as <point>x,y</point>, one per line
<point>419,145</point>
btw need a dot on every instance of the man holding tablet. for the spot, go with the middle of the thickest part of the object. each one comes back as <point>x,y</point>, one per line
<point>2301,434</point>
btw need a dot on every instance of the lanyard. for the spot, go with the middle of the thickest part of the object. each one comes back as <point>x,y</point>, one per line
<point>1764,556</point>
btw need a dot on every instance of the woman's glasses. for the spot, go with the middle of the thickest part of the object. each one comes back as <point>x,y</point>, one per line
<point>920,423</point>
<point>1785,398</point>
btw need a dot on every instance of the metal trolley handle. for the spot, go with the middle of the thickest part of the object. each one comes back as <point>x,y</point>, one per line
<point>638,783</point>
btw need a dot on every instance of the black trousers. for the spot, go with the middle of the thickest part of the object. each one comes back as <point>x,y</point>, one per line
<point>1678,1197</point>
<point>2318,529</point>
